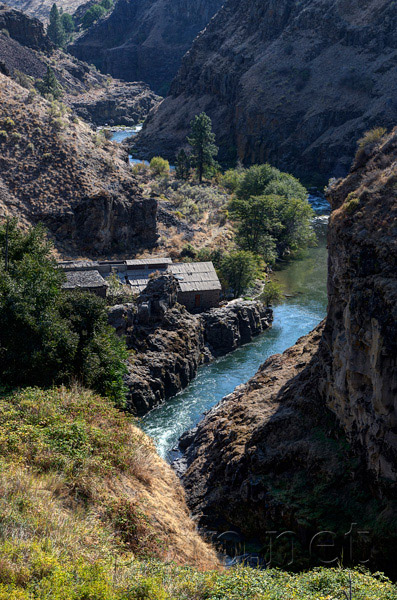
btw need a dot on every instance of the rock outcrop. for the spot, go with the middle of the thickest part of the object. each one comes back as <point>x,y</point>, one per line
<point>54,169</point>
<point>145,40</point>
<point>169,343</point>
<point>26,52</point>
<point>40,9</point>
<point>309,444</point>
<point>116,103</point>
<point>295,84</point>
<point>28,32</point>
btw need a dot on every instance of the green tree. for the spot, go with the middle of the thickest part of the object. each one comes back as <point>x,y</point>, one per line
<point>240,269</point>
<point>255,180</point>
<point>47,335</point>
<point>182,170</point>
<point>202,141</point>
<point>49,85</point>
<point>67,23</point>
<point>93,14</point>
<point>55,30</point>
<point>272,225</point>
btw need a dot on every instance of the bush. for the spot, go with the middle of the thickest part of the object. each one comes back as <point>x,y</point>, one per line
<point>231,179</point>
<point>159,166</point>
<point>372,136</point>
<point>93,14</point>
<point>272,293</point>
<point>240,269</point>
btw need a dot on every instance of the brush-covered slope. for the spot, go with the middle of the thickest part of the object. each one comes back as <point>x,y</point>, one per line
<point>292,83</point>
<point>145,40</point>
<point>83,489</point>
<point>55,169</point>
<point>89,511</point>
<point>309,443</point>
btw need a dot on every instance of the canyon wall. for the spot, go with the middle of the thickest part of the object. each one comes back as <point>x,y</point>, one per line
<point>291,83</point>
<point>309,444</point>
<point>145,40</point>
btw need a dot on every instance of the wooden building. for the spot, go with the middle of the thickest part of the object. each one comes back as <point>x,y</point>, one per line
<point>199,286</point>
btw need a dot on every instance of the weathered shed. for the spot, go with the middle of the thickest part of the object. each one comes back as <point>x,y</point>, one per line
<point>88,281</point>
<point>199,286</point>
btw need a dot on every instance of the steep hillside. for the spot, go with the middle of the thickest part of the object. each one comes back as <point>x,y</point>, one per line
<point>291,83</point>
<point>55,169</point>
<point>144,40</point>
<point>89,511</point>
<point>309,444</point>
<point>26,52</point>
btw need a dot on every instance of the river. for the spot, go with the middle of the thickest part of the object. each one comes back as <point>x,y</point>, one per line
<point>304,283</point>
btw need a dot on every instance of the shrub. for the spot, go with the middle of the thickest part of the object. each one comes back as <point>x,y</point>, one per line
<point>272,292</point>
<point>231,179</point>
<point>3,135</point>
<point>372,136</point>
<point>8,123</point>
<point>23,79</point>
<point>159,166</point>
<point>239,269</point>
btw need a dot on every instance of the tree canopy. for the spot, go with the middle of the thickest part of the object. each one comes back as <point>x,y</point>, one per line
<point>55,29</point>
<point>47,335</point>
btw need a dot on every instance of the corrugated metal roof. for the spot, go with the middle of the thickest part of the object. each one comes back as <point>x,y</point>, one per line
<point>84,279</point>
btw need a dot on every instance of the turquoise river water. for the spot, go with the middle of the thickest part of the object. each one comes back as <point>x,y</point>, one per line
<point>304,283</point>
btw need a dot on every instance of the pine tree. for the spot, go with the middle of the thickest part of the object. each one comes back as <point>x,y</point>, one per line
<point>49,85</point>
<point>202,141</point>
<point>182,170</point>
<point>55,29</point>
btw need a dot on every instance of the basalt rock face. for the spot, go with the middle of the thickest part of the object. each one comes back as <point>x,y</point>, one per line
<point>291,83</point>
<point>145,40</point>
<point>361,331</point>
<point>28,32</point>
<point>169,343</point>
<point>309,443</point>
<point>117,103</point>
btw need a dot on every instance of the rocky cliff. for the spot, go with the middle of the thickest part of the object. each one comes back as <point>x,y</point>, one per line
<point>54,169</point>
<point>145,40</point>
<point>26,52</point>
<point>169,343</point>
<point>309,444</point>
<point>292,83</point>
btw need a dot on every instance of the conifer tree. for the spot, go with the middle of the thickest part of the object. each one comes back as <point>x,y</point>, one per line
<point>49,85</point>
<point>55,29</point>
<point>202,141</point>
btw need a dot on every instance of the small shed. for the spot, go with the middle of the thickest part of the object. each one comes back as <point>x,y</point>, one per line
<point>199,286</point>
<point>88,281</point>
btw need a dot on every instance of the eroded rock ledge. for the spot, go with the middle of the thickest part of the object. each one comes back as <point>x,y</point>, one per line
<point>169,343</point>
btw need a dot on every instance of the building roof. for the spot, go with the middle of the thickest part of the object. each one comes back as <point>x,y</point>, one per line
<point>195,277</point>
<point>119,265</point>
<point>84,279</point>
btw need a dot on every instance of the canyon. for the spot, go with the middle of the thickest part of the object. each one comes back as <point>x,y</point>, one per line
<point>290,83</point>
<point>309,442</point>
<point>145,40</point>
